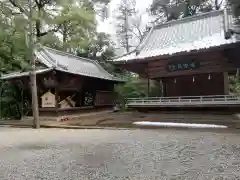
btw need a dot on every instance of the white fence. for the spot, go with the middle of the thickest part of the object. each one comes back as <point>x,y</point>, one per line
<point>184,101</point>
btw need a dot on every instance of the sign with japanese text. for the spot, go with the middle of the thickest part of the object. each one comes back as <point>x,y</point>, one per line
<point>182,65</point>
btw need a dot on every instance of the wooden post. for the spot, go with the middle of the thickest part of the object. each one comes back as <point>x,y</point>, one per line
<point>148,83</point>
<point>148,87</point>
<point>163,88</point>
<point>161,84</point>
<point>226,83</point>
<point>160,87</point>
<point>56,89</point>
<point>56,98</point>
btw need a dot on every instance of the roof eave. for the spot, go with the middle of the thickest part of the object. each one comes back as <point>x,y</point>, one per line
<point>96,63</point>
<point>176,54</point>
<point>22,74</point>
<point>85,75</point>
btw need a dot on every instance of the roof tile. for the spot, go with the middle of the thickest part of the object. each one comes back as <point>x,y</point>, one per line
<point>193,33</point>
<point>65,62</point>
<point>77,65</point>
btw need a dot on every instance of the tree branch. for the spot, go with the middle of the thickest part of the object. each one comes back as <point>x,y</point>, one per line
<point>15,4</point>
<point>218,4</point>
<point>37,3</point>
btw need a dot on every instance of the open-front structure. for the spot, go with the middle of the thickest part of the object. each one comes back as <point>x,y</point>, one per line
<point>67,83</point>
<point>190,57</point>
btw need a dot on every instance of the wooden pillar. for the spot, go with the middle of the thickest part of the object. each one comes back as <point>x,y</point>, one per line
<point>161,82</point>
<point>56,97</point>
<point>160,87</point>
<point>226,83</point>
<point>56,89</point>
<point>163,88</point>
<point>148,83</point>
<point>148,87</point>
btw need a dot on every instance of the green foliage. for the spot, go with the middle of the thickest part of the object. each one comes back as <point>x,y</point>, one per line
<point>13,103</point>
<point>72,20</point>
<point>132,89</point>
<point>234,85</point>
<point>13,57</point>
<point>61,24</point>
<point>137,88</point>
<point>100,49</point>
<point>12,52</point>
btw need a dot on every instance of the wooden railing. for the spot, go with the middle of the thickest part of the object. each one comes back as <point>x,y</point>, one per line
<point>184,100</point>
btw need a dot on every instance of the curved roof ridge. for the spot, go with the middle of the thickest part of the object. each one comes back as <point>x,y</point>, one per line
<point>190,18</point>
<point>95,62</point>
<point>173,22</point>
<point>68,54</point>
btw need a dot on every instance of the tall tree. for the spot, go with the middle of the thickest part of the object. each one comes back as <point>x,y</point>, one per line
<point>77,26</point>
<point>125,11</point>
<point>129,24</point>
<point>68,17</point>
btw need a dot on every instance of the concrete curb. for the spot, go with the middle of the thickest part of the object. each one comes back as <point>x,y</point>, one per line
<point>119,127</point>
<point>128,128</point>
<point>84,127</point>
<point>66,127</point>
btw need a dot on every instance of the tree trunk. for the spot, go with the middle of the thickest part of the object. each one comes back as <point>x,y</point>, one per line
<point>35,110</point>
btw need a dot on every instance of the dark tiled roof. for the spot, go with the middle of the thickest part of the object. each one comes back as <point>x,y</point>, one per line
<point>192,33</point>
<point>65,62</point>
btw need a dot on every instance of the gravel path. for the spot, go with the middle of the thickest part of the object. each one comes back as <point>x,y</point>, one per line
<point>27,154</point>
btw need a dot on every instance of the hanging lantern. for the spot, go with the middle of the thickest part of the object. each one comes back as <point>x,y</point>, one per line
<point>193,79</point>
<point>209,77</point>
<point>175,81</point>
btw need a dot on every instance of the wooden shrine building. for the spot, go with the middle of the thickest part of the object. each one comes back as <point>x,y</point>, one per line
<point>190,57</point>
<point>67,83</point>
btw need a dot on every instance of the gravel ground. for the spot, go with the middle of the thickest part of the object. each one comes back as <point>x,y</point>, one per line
<point>27,154</point>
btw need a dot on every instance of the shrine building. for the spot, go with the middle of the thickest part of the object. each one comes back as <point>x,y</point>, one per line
<point>190,57</point>
<point>67,83</point>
